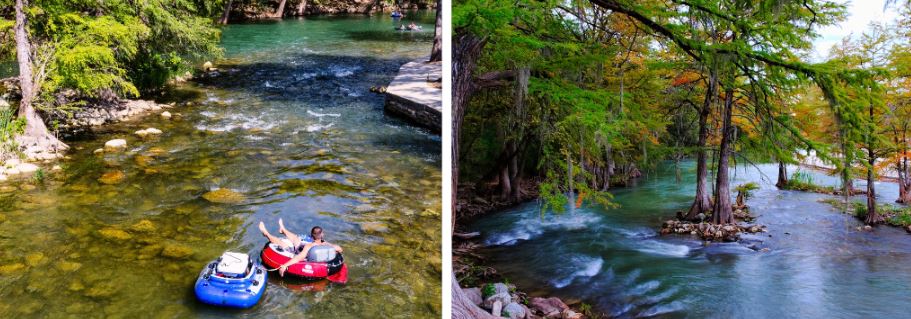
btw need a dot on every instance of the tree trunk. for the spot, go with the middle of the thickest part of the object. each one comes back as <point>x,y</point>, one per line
<point>904,181</point>
<point>505,187</point>
<point>466,48</point>
<point>702,203</point>
<point>436,53</point>
<point>302,7</point>
<point>782,175</point>
<point>280,11</point>
<point>902,192</point>
<point>226,13</point>
<point>519,94</point>
<point>464,308</point>
<point>35,138</point>
<point>513,170</point>
<point>722,213</point>
<point>873,216</point>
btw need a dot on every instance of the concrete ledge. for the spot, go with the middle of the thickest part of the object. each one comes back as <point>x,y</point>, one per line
<point>412,96</point>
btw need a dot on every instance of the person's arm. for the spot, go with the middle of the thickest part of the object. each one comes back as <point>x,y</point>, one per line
<point>296,259</point>
<point>337,247</point>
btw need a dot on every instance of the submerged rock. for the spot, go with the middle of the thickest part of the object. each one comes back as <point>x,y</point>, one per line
<point>102,289</point>
<point>166,115</point>
<point>224,196</point>
<point>142,160</point>
<point>68,266</point>
<point>374,227</point>
<point>114,234</point>
<point>11,268</point>
<point>144,226</point>
<point>111,178</point>
<point>176,251</point>
<point>35,259</point>
<point>156,152</point>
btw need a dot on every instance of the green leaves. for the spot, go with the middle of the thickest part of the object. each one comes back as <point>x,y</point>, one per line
<point>118,46</point>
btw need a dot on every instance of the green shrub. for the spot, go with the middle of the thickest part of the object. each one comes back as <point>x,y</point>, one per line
<point>860,209</point>
<point>9,128</point>
<point>803,181</point>
<point>39,176</point>
<point>901,218</point>
<point>487,291</point>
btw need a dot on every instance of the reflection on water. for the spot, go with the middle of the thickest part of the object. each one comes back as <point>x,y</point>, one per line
<point>291,127</point>
<point>819,265</point>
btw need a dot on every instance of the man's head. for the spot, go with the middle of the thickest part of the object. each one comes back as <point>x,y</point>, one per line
<point>316,233</point>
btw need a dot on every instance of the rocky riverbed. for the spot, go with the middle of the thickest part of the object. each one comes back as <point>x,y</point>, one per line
<point>503,300</point>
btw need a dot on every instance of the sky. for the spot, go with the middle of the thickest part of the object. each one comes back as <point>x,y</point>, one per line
<point>860,14</point>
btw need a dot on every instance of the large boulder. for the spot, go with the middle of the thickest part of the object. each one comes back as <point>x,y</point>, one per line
<point>569,314</point>
<point>148,132</point>
<point>496,309</point>
<point>27,168</point>
<point>514,310</point>
<point>503,298</point>
<point>115,145</point>
<point>550,307</point>
<point>500,288</point>
<point>473,294</point>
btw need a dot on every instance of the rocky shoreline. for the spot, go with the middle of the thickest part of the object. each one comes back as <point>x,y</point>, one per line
<point>502,300</point>
<point>31,165</point>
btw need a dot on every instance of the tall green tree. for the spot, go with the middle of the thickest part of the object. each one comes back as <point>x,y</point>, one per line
<point>102,51</point>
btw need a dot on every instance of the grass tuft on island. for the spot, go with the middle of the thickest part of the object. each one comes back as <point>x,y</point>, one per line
<point>893,215</point>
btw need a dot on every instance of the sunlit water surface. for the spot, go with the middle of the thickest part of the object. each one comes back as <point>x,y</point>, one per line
<point>819,265</point>
<point>289,124</point>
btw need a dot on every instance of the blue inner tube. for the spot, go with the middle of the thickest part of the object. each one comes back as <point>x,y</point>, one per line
<point>245,292</point>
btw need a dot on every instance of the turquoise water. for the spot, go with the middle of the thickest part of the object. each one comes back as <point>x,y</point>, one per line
<point>289,126</point>
<point>819,265</point>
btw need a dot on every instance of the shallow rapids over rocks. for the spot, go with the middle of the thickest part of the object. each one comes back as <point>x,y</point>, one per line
<point>817,263</point>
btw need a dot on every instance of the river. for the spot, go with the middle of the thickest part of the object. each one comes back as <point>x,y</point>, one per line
<point>290,124</point>
<point>819,265</point>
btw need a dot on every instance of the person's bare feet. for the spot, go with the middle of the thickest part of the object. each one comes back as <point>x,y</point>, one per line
<point>281,227</point>
<point>262,228</point>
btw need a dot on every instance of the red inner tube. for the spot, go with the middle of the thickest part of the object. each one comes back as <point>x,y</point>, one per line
<point>304,269</point>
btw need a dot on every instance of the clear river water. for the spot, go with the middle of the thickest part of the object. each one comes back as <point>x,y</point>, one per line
<point>819,265</point>
<point>289,124</point>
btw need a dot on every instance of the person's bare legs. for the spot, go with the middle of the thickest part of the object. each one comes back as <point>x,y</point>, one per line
<point>272,239</point>
<point>293,237</point>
